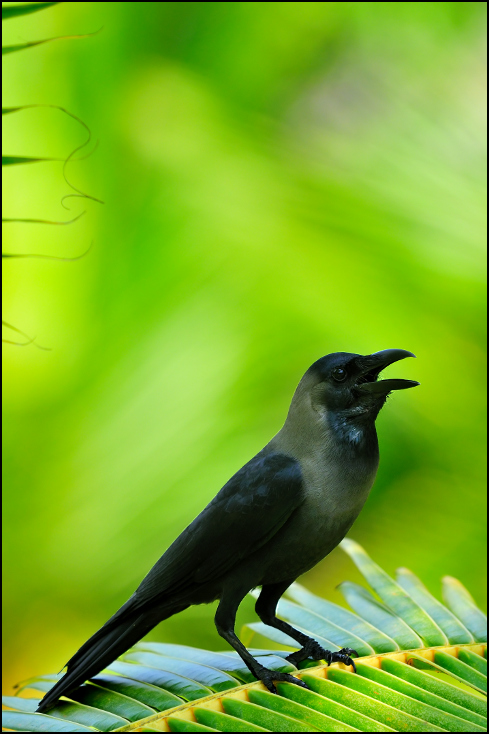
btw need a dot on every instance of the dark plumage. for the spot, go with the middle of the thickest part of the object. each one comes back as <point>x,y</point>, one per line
<point>279,515</point>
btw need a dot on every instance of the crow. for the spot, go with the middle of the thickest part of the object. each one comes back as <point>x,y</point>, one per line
<point>275,519</point>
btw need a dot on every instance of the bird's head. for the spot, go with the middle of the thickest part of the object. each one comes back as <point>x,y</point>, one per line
<point>346,387</point>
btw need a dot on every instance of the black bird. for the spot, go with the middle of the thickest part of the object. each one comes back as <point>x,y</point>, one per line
<point>277,517</point>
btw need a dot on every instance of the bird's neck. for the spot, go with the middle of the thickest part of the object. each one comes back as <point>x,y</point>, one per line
<point>355,433</point>
<point>309,432</point>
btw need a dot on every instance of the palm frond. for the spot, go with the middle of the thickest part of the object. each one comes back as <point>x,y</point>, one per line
<point>422,667</point>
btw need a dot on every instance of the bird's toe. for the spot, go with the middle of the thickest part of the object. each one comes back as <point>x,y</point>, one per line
<point>269,677</point>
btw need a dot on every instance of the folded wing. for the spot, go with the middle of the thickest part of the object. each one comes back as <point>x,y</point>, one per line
<point>244,515</point>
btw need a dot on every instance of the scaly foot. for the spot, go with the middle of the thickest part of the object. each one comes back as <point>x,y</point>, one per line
<point>313,649</point>
<point>268,677</point>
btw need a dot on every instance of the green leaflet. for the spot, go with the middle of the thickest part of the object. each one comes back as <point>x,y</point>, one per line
<point>452,627</point>
<point>39,683</point>
<point>378,640</point>
<point>231,664</point>
<point>394,596</point>
<point>213,678</point>
<point>21,704</point>
<point>156,680</point>
<point>443,713</point>
<point>312,623</point>
<point>461,669</point>
<point>223,722</point>
<point>338,712</point>
<point>264,717</point>
<point>335,687</point>
<point>116,703</point>
<point>443,665</point>
<point>12,11</point>
<point>287,703</point>
<point>475,661</point>
<point>282,639</point>
<point>183,725</point>
<point>379,615</point>
<point>39,722</point>
<point>178,685</point>
<point>145,693</point>
<point>458,697</point>
<point>458,599</point>
<point>85,715</point>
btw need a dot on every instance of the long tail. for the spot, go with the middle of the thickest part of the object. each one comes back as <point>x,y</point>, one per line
<point>111,640</point>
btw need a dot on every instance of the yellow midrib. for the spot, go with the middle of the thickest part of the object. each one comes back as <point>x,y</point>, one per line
<point>213,702</point>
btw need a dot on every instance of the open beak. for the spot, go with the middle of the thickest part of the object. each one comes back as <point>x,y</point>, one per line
<point>373,364</point>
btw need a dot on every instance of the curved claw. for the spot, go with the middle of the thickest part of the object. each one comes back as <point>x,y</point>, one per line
<point>268,677</point>
<point>296,681</point>
<point>348,651</point>
<point>344,656</point>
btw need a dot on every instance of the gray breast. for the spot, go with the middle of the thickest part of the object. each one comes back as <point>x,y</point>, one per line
<point>337,484</point>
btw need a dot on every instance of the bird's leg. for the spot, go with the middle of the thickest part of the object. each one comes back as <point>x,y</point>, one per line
<point>225,620</point>
<point>266,607</point>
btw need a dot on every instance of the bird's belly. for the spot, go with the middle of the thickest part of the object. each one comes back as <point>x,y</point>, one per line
<point>313,531</point>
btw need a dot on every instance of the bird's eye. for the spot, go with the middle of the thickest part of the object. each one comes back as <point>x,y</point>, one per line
<point>339,374</point>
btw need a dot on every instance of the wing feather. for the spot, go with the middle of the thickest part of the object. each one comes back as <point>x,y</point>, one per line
<point>248,511</point>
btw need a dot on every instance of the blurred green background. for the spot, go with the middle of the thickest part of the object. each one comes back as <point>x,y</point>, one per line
<point>281,181</point>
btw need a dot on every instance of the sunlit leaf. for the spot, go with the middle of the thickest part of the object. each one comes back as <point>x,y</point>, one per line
<point>332,708</point>
<point>379,615</point>
<point>39,722</point>
<point>440,688</point>
<point>21,704</point>
<point>87,715</point>
<point>145,693</point>
<point>113,701</point>
<point>462,670</point>
<point>334,687</point>
<point>177,724</point>
<point>282,639</point>
<point>223,722</point>
<point>475,661</point>
<point>458,599</point>
<point>185,688</point>
<point>419,691</point>
<point>443,666</point>
<point>178,685</point>
<point>287,702</point>
<point>232,665</point>
<point>378,640</point>
<point>313,623</point>
<point>452,627</point>
<point>379,685</point>
<point>213,678</point>
<point>260,716</point>
<point>394,596</point>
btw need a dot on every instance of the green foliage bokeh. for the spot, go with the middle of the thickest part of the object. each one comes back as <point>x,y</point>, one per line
<point>282,180</point>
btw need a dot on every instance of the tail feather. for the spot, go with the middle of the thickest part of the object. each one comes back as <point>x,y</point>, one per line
<point>102,649</point>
